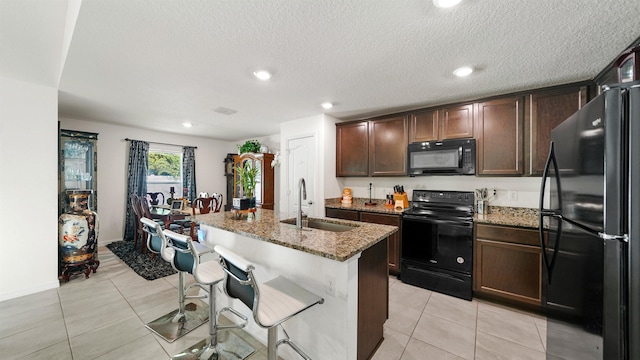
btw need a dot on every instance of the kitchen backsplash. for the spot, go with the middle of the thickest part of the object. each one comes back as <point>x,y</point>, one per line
<point>512,192</point>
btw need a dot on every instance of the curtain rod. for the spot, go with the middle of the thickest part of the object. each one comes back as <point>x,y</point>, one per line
<point>159,143</point>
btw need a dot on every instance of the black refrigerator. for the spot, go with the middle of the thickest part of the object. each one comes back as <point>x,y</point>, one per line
<point>591,249</point>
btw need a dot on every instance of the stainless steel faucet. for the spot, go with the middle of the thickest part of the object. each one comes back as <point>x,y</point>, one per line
<point>302,192</point>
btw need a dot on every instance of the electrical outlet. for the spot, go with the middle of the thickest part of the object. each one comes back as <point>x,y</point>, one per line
<point>330,281</point>
<point>513,195</point>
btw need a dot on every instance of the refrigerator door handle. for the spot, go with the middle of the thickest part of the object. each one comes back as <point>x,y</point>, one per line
<point>622,238</point>
<point>551,159</point>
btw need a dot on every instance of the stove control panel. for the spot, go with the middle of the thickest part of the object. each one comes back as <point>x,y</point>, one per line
<point>449,197</point>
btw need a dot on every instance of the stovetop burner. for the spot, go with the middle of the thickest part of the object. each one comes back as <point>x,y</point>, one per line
<point>450,204</point>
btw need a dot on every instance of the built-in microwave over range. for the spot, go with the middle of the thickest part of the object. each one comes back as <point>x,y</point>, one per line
<point>446,157</point>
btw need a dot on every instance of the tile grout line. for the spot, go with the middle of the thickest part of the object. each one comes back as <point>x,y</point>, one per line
<point>64,319</point>
<point>138,315</point>
<point>100,327</point>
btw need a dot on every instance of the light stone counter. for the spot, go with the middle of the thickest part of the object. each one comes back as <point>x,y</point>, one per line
<point>498,215</point>
<point>509,216</point>
<point>266,226</point>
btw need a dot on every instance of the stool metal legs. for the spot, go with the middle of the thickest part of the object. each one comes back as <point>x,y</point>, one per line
<point>181,321</point>
<point>232,348</point>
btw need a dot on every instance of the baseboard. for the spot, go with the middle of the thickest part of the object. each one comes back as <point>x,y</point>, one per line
<point>28,291</point>
<point>107,242</point>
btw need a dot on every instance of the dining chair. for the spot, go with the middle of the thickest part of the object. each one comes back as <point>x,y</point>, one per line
<point>198,206</point>
<point>218,197</point>
<point>137,214</point>
<point>153,198</point>
<point>204,206</point>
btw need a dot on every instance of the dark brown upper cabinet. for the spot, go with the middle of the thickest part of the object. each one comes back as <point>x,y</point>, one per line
<point>425,126</point>
<point>352,149</point>
<point>457,122</point>
<point>544,111</point>
<point>388,141</point>
<point>372,148</point>
<point>440,124</point>
<point>500,136</point>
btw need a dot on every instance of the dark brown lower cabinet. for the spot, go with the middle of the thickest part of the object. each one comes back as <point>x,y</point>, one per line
<point>342,214</point>
<point>394,239</point>
<point>508,264</point>
<point>375,218</point>
<point>373,298</point>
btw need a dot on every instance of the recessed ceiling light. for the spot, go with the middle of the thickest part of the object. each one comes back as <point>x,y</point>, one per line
<point>187,124</point>
<point>463,71</point>
<point>326,105</point>
<point>262,74</point>
<point>445,3</point>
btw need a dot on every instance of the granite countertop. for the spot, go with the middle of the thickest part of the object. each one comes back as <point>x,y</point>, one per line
<point>498,215</point>
<point>266,226</point>
<point>359,205</point>
<point>509,216</point>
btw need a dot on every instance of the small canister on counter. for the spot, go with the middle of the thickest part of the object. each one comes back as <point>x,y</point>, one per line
<point>482,207</point>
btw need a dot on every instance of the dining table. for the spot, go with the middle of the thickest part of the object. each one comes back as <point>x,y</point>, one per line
<point>168,215</point>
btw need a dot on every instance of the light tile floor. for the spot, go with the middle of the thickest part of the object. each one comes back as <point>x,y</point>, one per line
<point>103,318</point>
<point>426,325</point>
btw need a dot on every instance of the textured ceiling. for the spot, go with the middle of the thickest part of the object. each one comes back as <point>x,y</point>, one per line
<point>156,63</point>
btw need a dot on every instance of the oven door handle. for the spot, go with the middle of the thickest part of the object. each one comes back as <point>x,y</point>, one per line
<point>454,222</point>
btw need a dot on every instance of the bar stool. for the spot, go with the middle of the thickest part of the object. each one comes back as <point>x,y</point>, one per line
<point>186,317</point>
<point>156,242</point>
<point>272,302</point>
<point>210,273</point>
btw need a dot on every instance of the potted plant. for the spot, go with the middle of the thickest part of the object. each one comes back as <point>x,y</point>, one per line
<point>249,146</point>
<point>247,179</point>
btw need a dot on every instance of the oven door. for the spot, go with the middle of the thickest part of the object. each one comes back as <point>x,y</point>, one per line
<point>440,243</point>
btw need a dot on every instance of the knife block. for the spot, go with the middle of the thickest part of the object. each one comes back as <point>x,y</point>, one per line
<point>400,200</point>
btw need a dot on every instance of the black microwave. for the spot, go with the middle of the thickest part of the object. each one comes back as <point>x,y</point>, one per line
<point>446,157</point>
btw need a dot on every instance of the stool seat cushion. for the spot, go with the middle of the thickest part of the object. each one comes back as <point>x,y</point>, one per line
<point>280,299</point>
<point>208,273</point>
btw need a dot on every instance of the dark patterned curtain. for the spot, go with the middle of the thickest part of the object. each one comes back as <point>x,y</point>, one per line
<point>137,181</point>
<point>189,171</point>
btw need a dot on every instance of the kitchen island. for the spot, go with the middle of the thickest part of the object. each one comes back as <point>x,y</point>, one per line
<point>348,269</point>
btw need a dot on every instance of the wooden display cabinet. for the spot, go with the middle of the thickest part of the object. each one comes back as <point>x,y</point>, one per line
<point>265,181</point>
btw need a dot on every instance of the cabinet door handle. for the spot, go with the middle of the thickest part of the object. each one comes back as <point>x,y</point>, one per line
<point>310,202</point>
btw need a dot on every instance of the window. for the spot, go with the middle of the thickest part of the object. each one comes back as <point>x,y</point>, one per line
<point>165,172</point>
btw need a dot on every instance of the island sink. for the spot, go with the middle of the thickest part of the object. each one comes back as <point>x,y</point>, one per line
<point>322,225</point>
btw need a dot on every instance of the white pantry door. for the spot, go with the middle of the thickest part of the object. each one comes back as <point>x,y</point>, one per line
<point>301,160</point>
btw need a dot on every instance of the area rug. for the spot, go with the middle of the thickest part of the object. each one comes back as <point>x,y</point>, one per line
<point>142,264</point>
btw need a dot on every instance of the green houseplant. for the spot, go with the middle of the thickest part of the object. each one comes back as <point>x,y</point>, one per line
<point>247,178</point>
<point>249,146</point>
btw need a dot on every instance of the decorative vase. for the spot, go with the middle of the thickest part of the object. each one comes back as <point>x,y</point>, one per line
<point>78,236</point>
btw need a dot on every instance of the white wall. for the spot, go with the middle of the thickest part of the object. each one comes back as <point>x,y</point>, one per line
<point>323,128</point>
<point>113,162</point>
<point>28,179</point>
<point>526,189</point>
<point>332,186</point>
